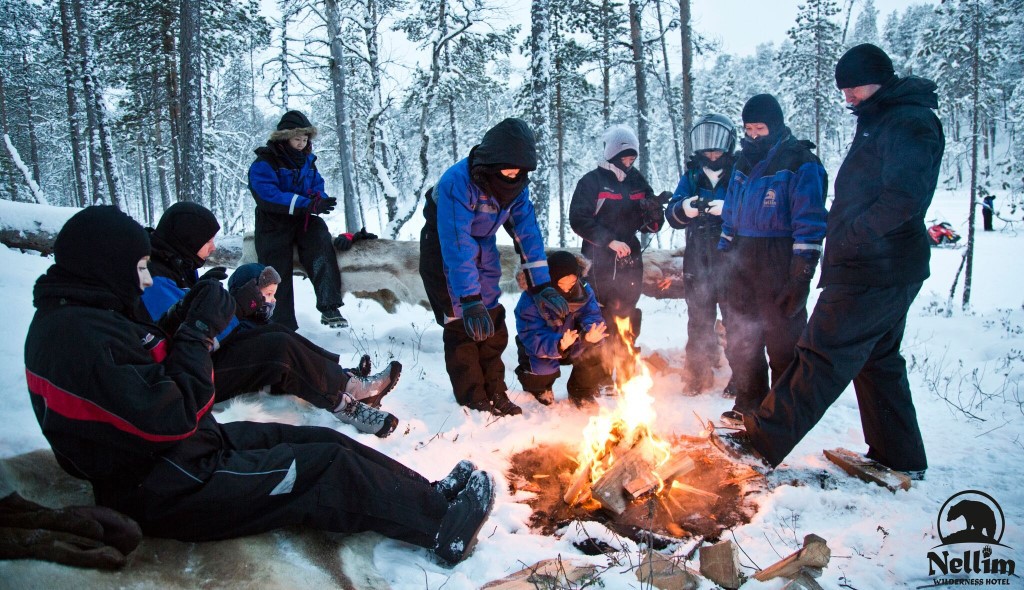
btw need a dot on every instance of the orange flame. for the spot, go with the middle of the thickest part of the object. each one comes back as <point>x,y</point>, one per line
<point>612,433</point>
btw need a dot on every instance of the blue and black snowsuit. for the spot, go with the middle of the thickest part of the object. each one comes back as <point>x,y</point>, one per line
<point>537,343</point>
<point>774,209</point>
<point>284,190</point>
<point>703,265</point>
<point>459,259</point>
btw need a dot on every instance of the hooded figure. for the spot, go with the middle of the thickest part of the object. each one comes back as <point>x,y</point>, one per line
<point>609,206</point>
<point>696,206</point>
<point>127,408</point>
<point>290,199</point>
<point>773,224</point>
<point>576,340</point>
<point>876,258</point>
<point>461,267</point>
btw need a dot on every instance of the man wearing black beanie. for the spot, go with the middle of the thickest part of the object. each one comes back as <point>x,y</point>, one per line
<point>773,223</point>
<point>876,259</point>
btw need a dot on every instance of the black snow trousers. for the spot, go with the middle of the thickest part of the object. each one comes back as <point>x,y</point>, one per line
<point>475,368</point>
<point>274,356</point>
<point>268,476</point>
<point>276,236</point>
<point>854,334</point>
<point>758,270</point>
<point>704,268</point>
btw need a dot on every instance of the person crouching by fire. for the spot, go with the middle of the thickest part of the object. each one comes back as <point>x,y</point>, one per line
<point>544,345</point>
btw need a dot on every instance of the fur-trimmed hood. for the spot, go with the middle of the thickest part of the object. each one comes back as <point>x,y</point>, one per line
<point>286,134</point>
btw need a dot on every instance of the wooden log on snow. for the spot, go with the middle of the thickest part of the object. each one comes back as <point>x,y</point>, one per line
<point>870,471</point>
<point>550,573</point>
<point>804,580</point>
<point>665,573</point>
<point>814,554</point>
<point>720,563</point>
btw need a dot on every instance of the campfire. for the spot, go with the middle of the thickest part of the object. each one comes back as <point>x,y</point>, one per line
<point>621,458</point>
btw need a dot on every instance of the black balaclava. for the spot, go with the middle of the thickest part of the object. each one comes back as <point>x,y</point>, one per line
<point>763,108</point>
<point>100,246</point>
<point>187,227</point>
<point>509,144</point>
<point>725,160</point>
<point>562,264</point>
<point>862,65</point>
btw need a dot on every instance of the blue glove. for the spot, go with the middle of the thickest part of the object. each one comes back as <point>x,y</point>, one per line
<point>551,304</point>
<point>478,322</point>
<point>724,244</point>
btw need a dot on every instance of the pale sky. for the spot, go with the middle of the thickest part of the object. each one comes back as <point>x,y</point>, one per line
<point>742,25</point>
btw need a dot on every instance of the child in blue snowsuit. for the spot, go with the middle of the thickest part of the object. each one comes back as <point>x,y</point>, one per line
<point>290,198</point>
<point>461,267</point>
<point>575,341</point>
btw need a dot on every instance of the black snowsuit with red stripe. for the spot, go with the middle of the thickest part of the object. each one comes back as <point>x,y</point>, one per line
<point>129,411</point>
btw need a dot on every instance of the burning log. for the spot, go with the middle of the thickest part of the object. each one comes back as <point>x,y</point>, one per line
<point>647,481</point>
<point>610,489</point>
<point>579,480</point>
<point>814,554</point>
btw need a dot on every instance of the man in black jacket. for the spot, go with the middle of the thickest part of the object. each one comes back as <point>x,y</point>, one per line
<point>876,258</point>
<point>126,406</point>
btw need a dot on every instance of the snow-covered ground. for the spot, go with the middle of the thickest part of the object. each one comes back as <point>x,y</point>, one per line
<point>966,370</point>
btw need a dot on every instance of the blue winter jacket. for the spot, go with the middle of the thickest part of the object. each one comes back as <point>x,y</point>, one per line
<point>467,221</point>
<point>690,186</point>
<point>780,196</point>
<point>541,340</point>
<point>280,189</point>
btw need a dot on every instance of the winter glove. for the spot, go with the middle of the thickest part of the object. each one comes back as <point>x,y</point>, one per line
<point>343,242</point>
<point>715,207</point>
<point>690,207</point>
<point>652,214</point>
<point>217,273</point>
<point>208,314</point>
<point>175,314</point>
<point>362,234</point>
<point>477,320</point>
<point>321,206</point>
<point>248,300</point>
<point>553,307</point>
<point>793,297</point>
<point>725,244</point>
<point>84,536</point>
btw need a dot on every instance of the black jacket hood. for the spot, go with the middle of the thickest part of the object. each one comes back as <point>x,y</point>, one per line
<point>509,142</point>
<point>910,91</point>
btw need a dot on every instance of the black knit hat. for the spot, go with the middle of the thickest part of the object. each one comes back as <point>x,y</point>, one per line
<point>764,108</point>
<point>562,264</point>
<point>510,142</point>
<point>861,65</point>
<point>293,124</point>
<point>187,227</point>
<point>103,246</point>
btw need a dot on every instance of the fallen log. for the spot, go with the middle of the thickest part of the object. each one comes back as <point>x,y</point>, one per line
<point>814,554</point>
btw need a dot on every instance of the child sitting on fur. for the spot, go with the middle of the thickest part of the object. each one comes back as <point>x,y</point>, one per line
<point>544,343</point>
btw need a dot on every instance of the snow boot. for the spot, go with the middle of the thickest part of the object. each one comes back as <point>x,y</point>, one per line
<point>465,517</point>
<point>546,397</point>
<point>502,406</point>
<point>366,419</point>
<point>456,480</point>
<point>371,390</point>
<point>333,319</point>
<point>737,445</point>
<point>733,418</point>
<point>697,379</point>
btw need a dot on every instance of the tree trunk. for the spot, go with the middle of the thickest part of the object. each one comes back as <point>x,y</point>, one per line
<point>333,16</point>
<point>670,96</point>
<point>191,121</point>
<point>975,129</point>
<point>66,35</point>
<point>93,143</point>
<point>540,105</point>
<point>161,154</point>
<point>560,137</point>
<point>605,60</point>
<point>381,170</point>
<point>685,33</point>
<point>171,93</point>
<point>33,141</point>
<point>640,71</point>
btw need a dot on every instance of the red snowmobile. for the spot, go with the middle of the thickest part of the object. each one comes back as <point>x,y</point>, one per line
<point>942,233</point>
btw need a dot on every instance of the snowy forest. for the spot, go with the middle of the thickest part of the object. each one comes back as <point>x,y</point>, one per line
<point>142,103</point>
